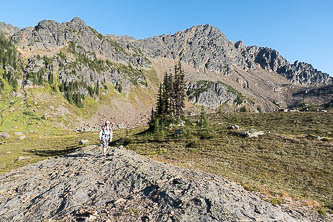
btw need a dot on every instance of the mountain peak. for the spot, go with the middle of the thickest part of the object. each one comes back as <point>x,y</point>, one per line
<point>206,27</point>
<point>78,21</point>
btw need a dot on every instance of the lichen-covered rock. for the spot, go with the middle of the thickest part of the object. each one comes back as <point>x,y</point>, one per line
<point>125,186</point>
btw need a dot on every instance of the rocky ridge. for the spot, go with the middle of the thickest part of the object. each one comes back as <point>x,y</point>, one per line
<point>206,48</point>
<point>298,72</point>
<point>8,29</point>
<point>124,186</point>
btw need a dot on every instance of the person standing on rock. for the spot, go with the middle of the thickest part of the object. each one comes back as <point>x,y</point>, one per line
<point>105,136</point>
<point>108,127</point>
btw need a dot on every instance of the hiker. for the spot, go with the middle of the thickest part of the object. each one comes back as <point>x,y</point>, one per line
<point>108,127</point>
<point>105,135</point>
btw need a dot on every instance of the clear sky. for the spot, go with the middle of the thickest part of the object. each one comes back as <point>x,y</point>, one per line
<point>298,29</point>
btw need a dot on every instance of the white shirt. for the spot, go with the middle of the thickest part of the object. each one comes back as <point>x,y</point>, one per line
<point>105,133</point>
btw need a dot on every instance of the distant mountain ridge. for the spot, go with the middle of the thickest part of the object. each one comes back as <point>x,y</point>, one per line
<point>78,62</point>
<point>203,46</point>
<point>206,47</point>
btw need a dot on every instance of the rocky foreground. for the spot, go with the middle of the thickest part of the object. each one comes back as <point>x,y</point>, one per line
<point>124,186</point>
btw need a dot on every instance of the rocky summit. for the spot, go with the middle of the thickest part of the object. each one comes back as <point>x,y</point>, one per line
<point>124,186</point>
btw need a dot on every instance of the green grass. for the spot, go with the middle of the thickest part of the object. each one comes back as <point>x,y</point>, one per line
<point>285,162</point>
<point>39,147</point>
<point>42,146</point>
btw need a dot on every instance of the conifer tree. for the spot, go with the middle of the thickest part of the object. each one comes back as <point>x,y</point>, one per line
<point>170,100</point>
<point>179,91</point>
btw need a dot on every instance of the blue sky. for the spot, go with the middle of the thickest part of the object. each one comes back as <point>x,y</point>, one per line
<point>298,29</point>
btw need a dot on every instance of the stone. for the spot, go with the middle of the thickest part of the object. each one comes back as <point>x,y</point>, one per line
<point>233,127</point>
<point>251,133</point>
<point>254,133</point>
<point>18,133</point>
<point>4,135</point>
<point>21,137</point>
<point>23,158</point>
<point>298,72</point>
<point>121,126</point>
<point>206,48</point>
<point>82,142</point>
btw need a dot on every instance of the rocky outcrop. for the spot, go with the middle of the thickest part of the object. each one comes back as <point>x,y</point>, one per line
<point>204,47</point>
<point>212,94</point>
<point>8,29</point>
<point>124,186</point>
<point>298,72</point>
<point>50,35</point>
<point>304,74</point>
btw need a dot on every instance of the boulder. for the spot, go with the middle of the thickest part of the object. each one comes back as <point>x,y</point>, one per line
<point>4,135</point>
<point>22,137</point>
<point>251,133</point>
<point>233,127</point>
<point>82,142</point>
<point>121,126</point>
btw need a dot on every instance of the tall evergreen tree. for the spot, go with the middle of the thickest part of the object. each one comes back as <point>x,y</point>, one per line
<point>170,99</point>
<point>179,91</point>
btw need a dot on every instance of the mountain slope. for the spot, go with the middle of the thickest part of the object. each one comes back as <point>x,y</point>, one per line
<point>121,74</point>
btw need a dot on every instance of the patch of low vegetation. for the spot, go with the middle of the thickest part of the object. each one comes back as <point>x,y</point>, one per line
<point>85,58</point>
<point>135,75</point>
<point>117,46</point>
<point>99,35</point>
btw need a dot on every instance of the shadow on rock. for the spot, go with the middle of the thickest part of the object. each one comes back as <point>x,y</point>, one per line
<point>50,153</point>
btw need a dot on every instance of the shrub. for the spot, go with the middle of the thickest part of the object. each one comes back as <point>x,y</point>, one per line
<point>276,201</point>
<point>243,109</point>
<point>322,211</point>
<point>194,143</point>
